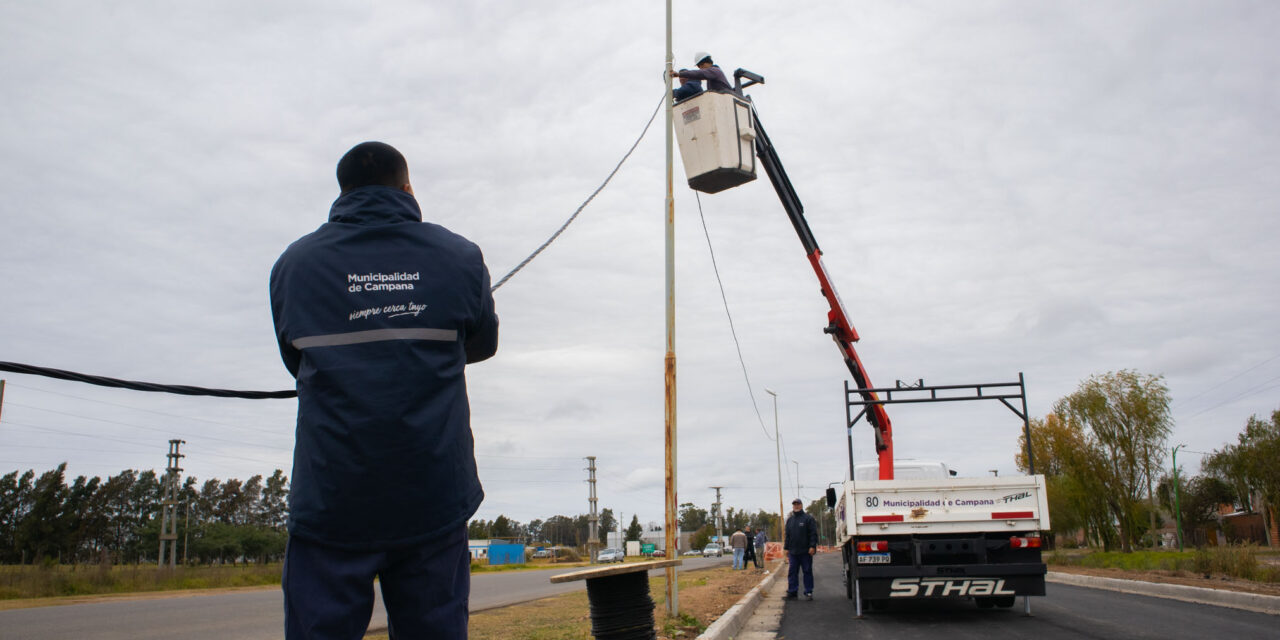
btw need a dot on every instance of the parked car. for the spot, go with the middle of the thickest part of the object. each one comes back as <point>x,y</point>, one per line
<point>611,555</point>
<point>542,553</point>
<point>659,553</point>
<point>692,552</point>
<point>712,549</point>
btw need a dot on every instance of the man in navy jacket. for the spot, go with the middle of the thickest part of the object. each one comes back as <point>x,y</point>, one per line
<point>377,314</point>
<point>801,543</point>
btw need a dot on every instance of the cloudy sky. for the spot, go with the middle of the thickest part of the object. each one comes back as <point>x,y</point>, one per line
<point>1058,189</point>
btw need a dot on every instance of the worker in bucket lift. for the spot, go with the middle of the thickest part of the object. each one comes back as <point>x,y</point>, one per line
<point>692,78</point>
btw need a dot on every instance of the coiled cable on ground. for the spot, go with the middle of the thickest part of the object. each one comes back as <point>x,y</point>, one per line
<point>621,608</point>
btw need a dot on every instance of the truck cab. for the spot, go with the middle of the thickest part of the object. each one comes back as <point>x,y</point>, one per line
<point>905,469</point>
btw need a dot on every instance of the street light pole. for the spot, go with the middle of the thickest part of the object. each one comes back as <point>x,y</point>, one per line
<point>1177,509</point>
<point>777,446</point>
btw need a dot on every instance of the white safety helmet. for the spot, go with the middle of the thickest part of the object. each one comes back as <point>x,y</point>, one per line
<point>699,57</point>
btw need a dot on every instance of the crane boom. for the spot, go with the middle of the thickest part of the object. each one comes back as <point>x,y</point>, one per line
<point>838,324</point>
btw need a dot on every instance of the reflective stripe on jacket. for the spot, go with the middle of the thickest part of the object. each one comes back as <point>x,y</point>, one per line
<point>376,315</point>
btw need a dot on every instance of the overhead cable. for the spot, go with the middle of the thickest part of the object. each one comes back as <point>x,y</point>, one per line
<point>180,389</point>
<point>732,330</point>
<point>585,202</point>
<point>187,390</point>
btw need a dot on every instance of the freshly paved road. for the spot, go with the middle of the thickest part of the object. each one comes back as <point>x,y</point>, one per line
<point>248,615</point>
<point>1066,612</point>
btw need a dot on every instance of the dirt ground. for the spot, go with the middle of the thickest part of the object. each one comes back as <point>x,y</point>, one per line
<point>704,596</point>
<point>1225,583</point>
<point>709,595</point>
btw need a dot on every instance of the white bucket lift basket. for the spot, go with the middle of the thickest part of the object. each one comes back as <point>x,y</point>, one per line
<point>717,139</point>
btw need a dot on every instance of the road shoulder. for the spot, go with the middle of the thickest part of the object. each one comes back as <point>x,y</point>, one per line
<point>1218,597</point>
<point>58,601</point>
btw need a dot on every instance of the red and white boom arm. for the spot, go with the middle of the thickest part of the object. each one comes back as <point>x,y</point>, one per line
<point>838,324</point>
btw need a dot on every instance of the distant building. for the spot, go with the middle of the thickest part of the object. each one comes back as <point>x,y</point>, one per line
<point>653,534</point>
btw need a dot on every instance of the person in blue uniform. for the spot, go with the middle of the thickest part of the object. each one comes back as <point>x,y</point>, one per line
<point>377,314</point>
<point>801,543</point>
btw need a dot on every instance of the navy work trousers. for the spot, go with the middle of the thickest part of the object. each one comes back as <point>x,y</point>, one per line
<point>328,592</point>
<point>800,561</point>
<point>687,90</point>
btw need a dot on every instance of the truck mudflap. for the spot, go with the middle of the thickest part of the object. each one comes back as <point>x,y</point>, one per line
<point>1004,580</point>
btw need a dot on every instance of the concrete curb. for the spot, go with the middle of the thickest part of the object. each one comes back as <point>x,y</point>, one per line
<point>728,625</point>
<point>1200,595</point>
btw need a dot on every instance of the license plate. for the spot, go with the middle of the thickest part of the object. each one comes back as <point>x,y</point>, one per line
<point>873,558</point>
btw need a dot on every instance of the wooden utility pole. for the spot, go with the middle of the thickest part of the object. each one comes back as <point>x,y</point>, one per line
<point>673,589</point>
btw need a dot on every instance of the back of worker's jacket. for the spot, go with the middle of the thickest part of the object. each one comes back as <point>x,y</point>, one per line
<point>377,314</point>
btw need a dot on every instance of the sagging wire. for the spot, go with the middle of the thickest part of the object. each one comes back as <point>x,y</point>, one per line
<point>584,202</point>
<point>188,390</point>
<point>732,331</point>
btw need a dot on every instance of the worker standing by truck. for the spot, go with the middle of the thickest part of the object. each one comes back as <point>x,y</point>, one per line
<point>801,542</point>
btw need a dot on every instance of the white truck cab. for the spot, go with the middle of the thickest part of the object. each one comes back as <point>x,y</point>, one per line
<point>905,469</point>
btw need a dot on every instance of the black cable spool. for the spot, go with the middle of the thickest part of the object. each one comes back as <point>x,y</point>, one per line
<point>621,608</point>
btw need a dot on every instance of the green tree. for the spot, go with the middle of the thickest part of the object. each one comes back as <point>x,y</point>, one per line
<point>1198,498</point>
<point>502,528</point>
<point>247,511</point>
<point>635,530</point>
<point>230,502</point>
<point>1250,466</point>
<point>560,531</point>
<point>607,523</point>
<point>15,503</point>
<point>84,517</point>
<point>1127,416</point>
<point>274,502</point>
<point>768,521</point>
<point>702,537</point>
<point>826,519</point>
<point>534,530</point>
<point>1070,464</point>
<point>735,519</point>
<point>691,518</point>
<point>43,530</point>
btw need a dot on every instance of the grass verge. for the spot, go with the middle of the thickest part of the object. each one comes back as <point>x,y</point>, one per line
<point>1238,561</point>
<point>51,580</point>
<point>46,581</point>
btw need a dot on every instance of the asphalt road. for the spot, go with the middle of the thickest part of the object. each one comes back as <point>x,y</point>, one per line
<point>249,615</point>
<point>1065,612</point>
